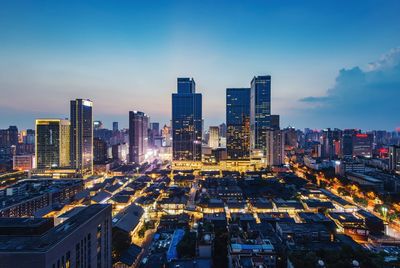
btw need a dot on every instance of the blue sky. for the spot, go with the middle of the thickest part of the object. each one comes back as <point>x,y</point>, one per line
<point>126,55</point>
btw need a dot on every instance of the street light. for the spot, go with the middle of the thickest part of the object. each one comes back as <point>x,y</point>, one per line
<point>384,212</point>
<point>137,170</point>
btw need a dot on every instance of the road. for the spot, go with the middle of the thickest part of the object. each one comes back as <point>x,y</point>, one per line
<point>390,228</point>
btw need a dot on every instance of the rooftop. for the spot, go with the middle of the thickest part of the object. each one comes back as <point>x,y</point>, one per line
<point>43,243</point>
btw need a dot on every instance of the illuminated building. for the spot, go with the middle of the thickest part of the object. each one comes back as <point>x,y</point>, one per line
<point>275,152</point>
<point>186,121</point>
<point>166,136</point>
<point>213,140</point>
<point>327,140</point>
<point>52,143</point>
<point>138,136</point>
<point>99,151</point>
<point>8,143</point>
<point>238,123</point>
<point>154,135</point>
<point>362,145</point>
<point>23,162</point>
<point>260,111</point>
<point>290,137</point>
<point>394,158</point>
<point>82,136</point>
<point>347,143</point>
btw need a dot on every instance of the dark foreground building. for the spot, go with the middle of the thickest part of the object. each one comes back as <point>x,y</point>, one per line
<point>84,240</point>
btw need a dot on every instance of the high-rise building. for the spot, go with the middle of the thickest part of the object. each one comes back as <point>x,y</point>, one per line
<point>138,136</point>
<point>260,111</point>
<point>362,145</point>
<point>186,121</point>
<point>275,124</point>
<point>394,158</point>
<point>275,147</point>
<point>82,136</point>
<point>82,240</point>
<point>166,136</point>
<point>327,140</point>
<point>115,126</point>
<point>8,145</point>
<point>290,137</point>
<point>52,143</point>
<point>99,151</point>
<point>238,123</point>
<point>222,129</point>
<point>154,133</point>
<point>213,139</point>
<point>347,144</point>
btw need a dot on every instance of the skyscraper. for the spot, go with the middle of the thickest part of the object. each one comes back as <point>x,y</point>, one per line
<point>99,151</point>
<point>213,140</point>
<point>260,111</point>
<point>238,123</point>
<point>138,136</point>
<point>362,145</point>
<point>186,121</point>
<point>82,136</point>
<point>394,158</point>
<point>115,126</point>
<point>52,143</point>
<point>275,147</point>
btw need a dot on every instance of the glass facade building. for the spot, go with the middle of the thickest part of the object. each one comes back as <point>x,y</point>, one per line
<point>138,136</point>
<point>186,121</point>
<point>260,111</point>
<point>82,136</point>
<point>238,123</point>
<point>52,143</point>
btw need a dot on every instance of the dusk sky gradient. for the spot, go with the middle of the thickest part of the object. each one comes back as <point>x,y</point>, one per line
<point>333,63</point>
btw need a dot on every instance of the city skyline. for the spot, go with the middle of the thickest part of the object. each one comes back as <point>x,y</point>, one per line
<point>108,58</point>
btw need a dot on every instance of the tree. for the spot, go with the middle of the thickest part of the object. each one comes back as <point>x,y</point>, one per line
<point>186,248</point>
<point>121,241</point>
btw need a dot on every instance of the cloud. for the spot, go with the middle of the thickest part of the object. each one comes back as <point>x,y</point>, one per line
<point>361,98</point>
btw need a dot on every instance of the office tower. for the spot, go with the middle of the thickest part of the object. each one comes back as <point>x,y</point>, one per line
<point>166,136</point>
<point>362,145</point>
<point>290,138</point>
<point>99,151</point>
<point>260,111</point>
<point>275,124</point>
<point>82,240</point>
<point>327,141</point>
<point>154,133</point>
<point>8,144</point>
<point>52,143</point>
<point>186,121</point>
<point>13,135</point>
<point>275,147</point>
<point>138,136</point>
<point>213,139</point>
<point>82,136</point>
<point>394,158</point>
<point>222,129</point>
<point>115,126</point>
<point>347,143</point>
<point>29,138</point>
<point>238,123</point>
